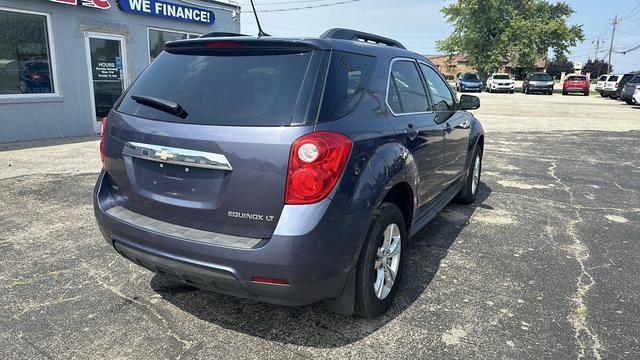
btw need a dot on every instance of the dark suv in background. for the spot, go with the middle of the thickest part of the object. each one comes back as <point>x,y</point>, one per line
<point>538,82</point>
<point>287,171</point>
<point>629,89</point>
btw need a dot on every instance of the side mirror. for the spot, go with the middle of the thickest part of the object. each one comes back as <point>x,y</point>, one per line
<point>469,102</point>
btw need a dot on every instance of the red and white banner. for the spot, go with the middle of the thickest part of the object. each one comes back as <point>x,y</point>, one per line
<point>98,4</point>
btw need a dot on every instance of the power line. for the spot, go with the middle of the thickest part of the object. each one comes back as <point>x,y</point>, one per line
<point>290,2</point>
<point>305,7</point>
<point>633,12</point>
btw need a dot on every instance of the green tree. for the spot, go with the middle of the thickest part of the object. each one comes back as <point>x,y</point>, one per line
<point>558,65</point>
<point>521,31</point>
<point>596,68</point>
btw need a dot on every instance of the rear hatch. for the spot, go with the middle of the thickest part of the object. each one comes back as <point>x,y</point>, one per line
<point>202,139</point>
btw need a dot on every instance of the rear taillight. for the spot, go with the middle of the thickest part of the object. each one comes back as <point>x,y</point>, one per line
<point>269,281</point>
<point>103,129</point>
<point>316,163</point>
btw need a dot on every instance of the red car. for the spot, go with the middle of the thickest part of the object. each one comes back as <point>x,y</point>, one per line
<point>576,83</point>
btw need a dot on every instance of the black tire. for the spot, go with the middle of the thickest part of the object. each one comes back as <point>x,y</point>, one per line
<point>367,304</point>
<point>586,93</point>
<point>629,102</point>
<point>603,94</point>
<point>467,195</point>
<point>564,93</point>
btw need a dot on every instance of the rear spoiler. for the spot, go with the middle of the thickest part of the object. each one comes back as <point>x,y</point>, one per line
<point>237,44</point>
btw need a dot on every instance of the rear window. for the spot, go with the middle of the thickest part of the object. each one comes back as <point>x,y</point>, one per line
<point>577,78</point>
<point>243,90</point>
<point>603,78</point>
<point>635,80</point>
<point>613,78</point>
<point>541,77</point>
<point>346,82</point>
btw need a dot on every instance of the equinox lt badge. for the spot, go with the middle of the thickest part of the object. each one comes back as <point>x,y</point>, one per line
<point>241,215</point>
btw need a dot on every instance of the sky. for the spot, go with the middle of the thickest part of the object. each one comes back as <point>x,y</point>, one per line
<point>419,23</point>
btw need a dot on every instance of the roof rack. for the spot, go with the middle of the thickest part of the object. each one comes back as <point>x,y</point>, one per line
<point>354,35</point>
<point>220,34</point>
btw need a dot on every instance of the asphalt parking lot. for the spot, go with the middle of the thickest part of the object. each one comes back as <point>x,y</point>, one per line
<point>545,265</point>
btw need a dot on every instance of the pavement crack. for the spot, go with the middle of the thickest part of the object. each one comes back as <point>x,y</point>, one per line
<point>586,338</point>
<point>186,344</point>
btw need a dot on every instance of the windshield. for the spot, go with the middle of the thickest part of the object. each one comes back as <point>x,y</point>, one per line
<point>502,77</point>
<point>242,90</point>
<point>469,77</point>
<point>541,77</point>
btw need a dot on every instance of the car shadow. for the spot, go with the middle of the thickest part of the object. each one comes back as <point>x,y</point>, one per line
<point>313,325</point>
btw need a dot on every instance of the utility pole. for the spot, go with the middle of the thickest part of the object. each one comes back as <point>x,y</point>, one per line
<point>616,21</point>
<point>597,48</point>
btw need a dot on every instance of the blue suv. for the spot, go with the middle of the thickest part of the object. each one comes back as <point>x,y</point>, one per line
<point>468,82</point>
<point>288,171</point>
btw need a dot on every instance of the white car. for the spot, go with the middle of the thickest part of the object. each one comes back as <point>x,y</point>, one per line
<point>600,85</point>
<point>501,83</point>
<point>611,85</point>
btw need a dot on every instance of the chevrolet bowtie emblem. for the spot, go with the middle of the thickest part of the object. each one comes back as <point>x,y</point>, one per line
<point>164,155</point>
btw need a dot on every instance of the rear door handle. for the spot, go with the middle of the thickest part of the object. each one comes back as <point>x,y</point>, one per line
<point>448,128</point>
<point>411,131</point>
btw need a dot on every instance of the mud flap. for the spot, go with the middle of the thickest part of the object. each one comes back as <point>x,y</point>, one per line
<point>345,304</point>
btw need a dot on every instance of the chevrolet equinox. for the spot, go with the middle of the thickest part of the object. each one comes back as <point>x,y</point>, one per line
<point>288,171</point>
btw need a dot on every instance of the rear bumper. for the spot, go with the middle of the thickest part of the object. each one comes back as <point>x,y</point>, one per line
<point>316,264</point>
<point>575,90</point>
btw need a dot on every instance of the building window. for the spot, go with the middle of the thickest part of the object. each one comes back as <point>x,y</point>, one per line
<point>158,37</point>
<point>25,61</point>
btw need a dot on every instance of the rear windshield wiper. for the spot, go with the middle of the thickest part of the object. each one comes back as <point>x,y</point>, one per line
<point>161,104</point>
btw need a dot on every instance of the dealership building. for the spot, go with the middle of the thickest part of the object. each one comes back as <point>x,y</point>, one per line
<point>63,63</point>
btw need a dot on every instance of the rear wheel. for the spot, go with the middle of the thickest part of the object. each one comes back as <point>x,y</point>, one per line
<point>469,191</point>
<point>586,93</point>
<point>380,264</point>
<point>603,94</point>
<point>564,93</point>
<point>629,102</point>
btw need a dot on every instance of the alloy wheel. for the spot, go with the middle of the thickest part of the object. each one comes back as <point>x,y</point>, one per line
<point>387,261</point>
<point>476,174</point>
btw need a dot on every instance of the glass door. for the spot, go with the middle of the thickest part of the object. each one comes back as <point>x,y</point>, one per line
<point>107,71</point>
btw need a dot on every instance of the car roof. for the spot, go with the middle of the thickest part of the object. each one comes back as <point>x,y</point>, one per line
<point>367,47</point>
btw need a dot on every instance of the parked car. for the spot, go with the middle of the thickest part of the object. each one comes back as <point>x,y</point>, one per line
<point>468,82</point>
<point>636,96</point>
<point>621,83</point>
<point>576,83</point>
<point>35,78</point>
<point>611,85</point>
<point>630,89</point>
<point>538,82</point>
<point>501,83</point>
<point>602,80</point>
<point>297,176</point>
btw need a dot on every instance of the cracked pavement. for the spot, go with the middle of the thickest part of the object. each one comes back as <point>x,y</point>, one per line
<point>545,266</point>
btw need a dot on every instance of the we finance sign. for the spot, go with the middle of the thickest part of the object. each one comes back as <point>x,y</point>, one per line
<point>168,10</point>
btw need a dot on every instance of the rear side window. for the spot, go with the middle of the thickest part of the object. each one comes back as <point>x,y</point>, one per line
<point>242,90</point>
<point>440,91</point>
<point>346,83</point>
<point>406,93</point>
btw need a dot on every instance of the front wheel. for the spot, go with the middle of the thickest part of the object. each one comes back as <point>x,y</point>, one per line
<point>380,264</point>
<point>469,191</point>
